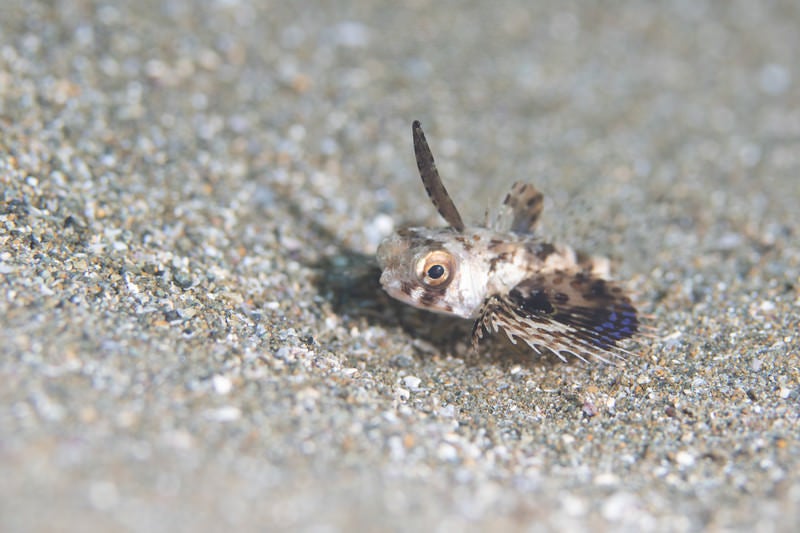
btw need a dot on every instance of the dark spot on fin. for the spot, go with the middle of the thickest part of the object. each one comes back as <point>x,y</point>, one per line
<point>535,301</point>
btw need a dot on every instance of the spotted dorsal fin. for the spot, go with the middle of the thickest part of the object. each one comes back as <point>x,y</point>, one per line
<point>431,180</point>
<point>525,202</point>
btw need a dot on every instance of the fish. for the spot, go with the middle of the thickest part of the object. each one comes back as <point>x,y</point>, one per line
<point>507,278</point>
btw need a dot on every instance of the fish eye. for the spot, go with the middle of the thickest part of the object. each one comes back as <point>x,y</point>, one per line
<point>436,271</point>
<point>436,268</point>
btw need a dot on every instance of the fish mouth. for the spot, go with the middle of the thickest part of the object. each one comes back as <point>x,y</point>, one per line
<point>394,289</point>
<point>392,286</point>
<point>395,292</point>
<point>389,256</point>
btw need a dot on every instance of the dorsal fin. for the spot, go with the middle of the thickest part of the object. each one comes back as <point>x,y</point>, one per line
<point>526,206</point>
<point>431,180</point>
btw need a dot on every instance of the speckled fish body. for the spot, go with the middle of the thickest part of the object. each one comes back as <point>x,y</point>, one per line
<point>505,277</point>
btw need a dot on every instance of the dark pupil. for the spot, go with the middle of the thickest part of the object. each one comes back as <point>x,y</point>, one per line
<point>436,272</point>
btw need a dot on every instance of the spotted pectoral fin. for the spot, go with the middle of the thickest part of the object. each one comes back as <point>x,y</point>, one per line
<point>525,203</point>
<point>565,313</point>
<point>432,181</point>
